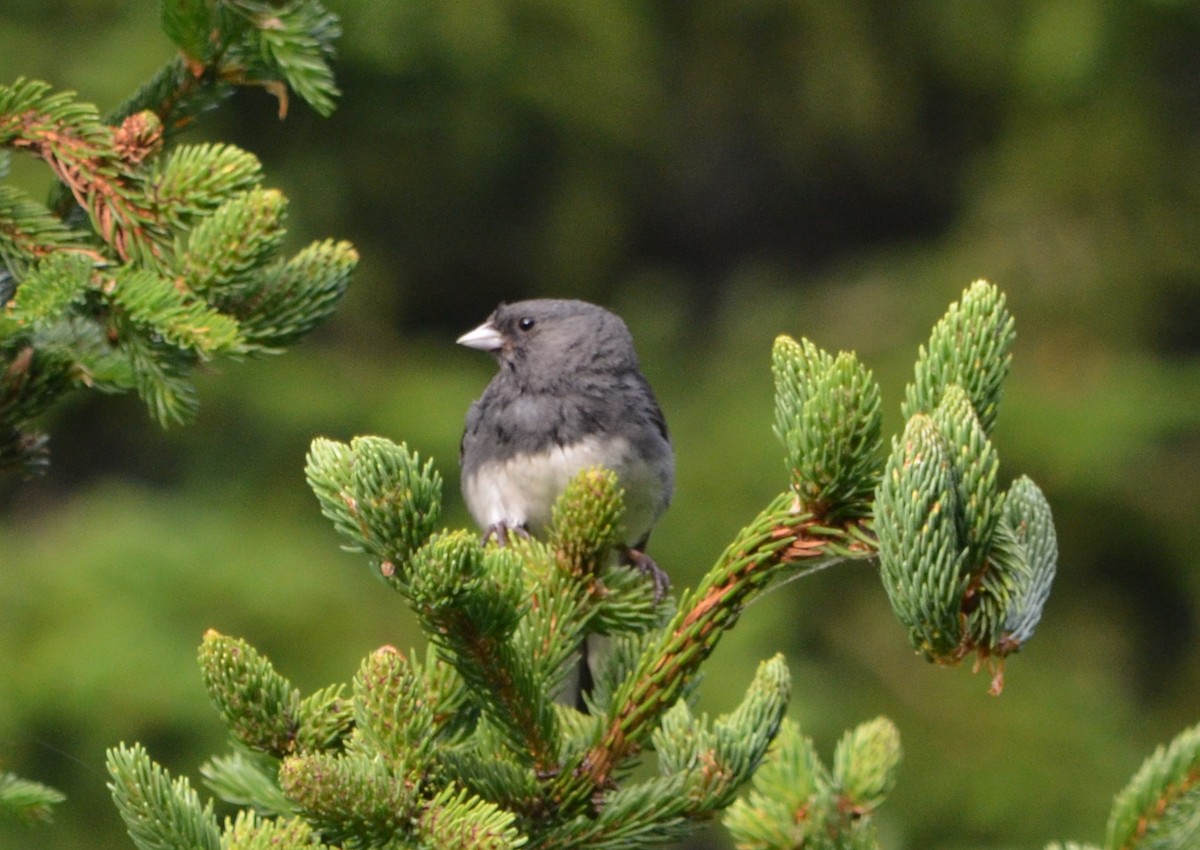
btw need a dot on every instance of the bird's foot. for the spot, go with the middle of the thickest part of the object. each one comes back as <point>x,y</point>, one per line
<point>500,531</point>
<point>645,565</point>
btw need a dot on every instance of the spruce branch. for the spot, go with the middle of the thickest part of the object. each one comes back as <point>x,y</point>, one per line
<point>379,495</point>
<point>576,584</point>
<point>188,23</point>
<point>94,161</point>
<point>624,602</point>
<point>26,801</point>
<point>264,711</point>
<point>160,373</point>
<point>177,93</point>
<point>702,763</point>
<point>247,778</point>
<point>51,287</point>
<point>920,559</point>
<point>778,537</point>
<point>350,799</point>
<point>470,602</point>
<point>456,819</point>
<point>153,303</point>
<point>30,233</point>
<point>722,754</point>
<point>992,563</point>
<point>586,522</point>
<point>324,718</point>
<point>484,767</point>
<point>562,597</point>
<point>828,416</point>
<point>291,298</point>
<point>248,831</point>
<point>239,236</point>
<point>468,747</point>
<point>295,41</point>
<point>796,803</point>
<point>864,766</point>
<point>636,815</point>
<point>778,811</point>
<point>190,182</point>
<point>231,43</point>
<point>1027,514</point>
<point>160,813</point>
<point>261,707</point>
<point>970,346</point>
<point>1160,807</point>
<point>31,377</point>
<point>407,711</point>
<point>964,570</point>
<point>147,262</point>
<point>975,466</point>
<point>393,714</point>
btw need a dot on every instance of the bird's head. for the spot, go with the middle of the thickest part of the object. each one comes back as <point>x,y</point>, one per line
<point>543,339</point>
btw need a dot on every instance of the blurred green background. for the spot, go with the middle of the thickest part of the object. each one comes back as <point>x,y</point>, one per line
<point>718,173</point>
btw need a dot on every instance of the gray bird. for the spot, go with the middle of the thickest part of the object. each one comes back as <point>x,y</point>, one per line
<point>569,395</point>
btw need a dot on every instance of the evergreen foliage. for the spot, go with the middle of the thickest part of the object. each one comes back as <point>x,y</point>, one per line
<point>828,415</point>
<point>797,802</point>
<point>160,813</point>
<point>1160,807</point>
<point>23,800</point>
<point>963,574</point>
<point>148,261</point>
<point>468,741</point>
<point>464,746</point>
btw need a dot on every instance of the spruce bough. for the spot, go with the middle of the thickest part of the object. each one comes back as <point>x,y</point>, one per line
<point>147,259</point>
<point>463,745</point>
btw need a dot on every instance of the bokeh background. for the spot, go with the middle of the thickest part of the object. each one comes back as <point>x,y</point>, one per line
<point>718,171</point>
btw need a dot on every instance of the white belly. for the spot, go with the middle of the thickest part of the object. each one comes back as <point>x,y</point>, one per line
<point>521,490</point>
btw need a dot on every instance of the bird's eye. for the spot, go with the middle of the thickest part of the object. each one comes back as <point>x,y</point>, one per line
<point>525,323</point>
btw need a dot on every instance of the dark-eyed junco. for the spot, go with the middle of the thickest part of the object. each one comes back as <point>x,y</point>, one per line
<point>569,395</point>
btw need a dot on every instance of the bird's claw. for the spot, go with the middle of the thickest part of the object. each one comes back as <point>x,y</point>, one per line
<point>499,531</point>
<point>645,565</point>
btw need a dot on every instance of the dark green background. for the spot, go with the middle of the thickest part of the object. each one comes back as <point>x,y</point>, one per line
<point>719,173</point>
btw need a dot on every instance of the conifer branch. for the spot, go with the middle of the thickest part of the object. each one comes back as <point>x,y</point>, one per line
<point>233,43</point>
<point>470,603</point>
<point>260,706</point>
<point>26,801</point>
<point>797,803</point>
<point>248,779</point>
<point>379,495</point>
<point>468,748</point>
<point>249,831</point>
<point>147,262</point>
<point>160,813</point>
<point>30,233</point>
<point>93,161</point>
<point>965,572</point>
<point>579,589</point>
<point>394,715</point>
<point>264,711</point>
<point>1027,515</point>
<point>349,798</point>
<point>1160,807</point>
<point>777,538</point>
<point>970,347</point>
<point>828,416</point>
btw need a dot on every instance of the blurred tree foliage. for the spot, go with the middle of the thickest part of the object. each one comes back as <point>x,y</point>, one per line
<point>718,172</point>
